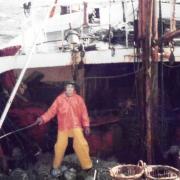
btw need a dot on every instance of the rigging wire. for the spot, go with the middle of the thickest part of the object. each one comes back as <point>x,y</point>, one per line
<point>115,76</point>
<point>136,60</point>
<point>162,78</point>
<point>109,38</point>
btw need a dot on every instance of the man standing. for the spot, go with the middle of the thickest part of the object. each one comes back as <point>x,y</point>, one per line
<point>72,118</point>
<point>27,8</point>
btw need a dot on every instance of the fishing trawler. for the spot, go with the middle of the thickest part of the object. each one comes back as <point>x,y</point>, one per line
<point>80,40</point>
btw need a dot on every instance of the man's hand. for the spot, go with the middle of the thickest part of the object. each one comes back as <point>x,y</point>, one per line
<point>39,121</point>
<point>87,131</point>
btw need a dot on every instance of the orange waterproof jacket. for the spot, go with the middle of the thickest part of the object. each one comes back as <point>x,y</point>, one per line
<point>71,112</point>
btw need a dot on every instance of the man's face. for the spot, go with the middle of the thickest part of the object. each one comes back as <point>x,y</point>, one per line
<point>69,89</point>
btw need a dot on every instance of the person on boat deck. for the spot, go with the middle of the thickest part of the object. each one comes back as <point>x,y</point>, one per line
<point>27,7</point>
<point>72,118</point>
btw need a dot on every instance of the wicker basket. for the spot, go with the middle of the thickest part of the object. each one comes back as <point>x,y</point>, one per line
<point>160,172</point>
<point>127,171</point>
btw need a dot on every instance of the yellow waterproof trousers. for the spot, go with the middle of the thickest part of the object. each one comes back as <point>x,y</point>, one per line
<point>80,147</point>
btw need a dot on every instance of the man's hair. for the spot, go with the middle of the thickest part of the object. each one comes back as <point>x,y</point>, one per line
<point>70,82</point>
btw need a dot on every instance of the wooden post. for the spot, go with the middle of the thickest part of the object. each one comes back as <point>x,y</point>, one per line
<point>154,76</point>
<point>147,68</point>
<point>147,33</point>
<point>81,81</point>
<point>172,20</point>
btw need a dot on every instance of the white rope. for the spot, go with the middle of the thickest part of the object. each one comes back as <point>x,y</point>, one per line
<point>13,93</point>
<point>95,173</point>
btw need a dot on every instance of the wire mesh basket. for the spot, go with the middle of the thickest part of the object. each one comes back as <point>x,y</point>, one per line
<point>127,171</point>
<point>159,172</point>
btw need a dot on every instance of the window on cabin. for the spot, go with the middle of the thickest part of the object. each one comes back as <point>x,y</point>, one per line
<point>75,8</point>
<point>65,10</point>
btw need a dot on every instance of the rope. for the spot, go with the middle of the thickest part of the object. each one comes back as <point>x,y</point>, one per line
<point>18,130</point>
<point>170,66</point>
<point>115,76</point>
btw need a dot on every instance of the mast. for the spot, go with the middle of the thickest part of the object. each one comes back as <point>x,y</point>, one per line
<point>147,34</point>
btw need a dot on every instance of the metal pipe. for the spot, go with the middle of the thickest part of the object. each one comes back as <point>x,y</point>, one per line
<point>14,91</point>
<point>85,23</point>
<point>109,38</point>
